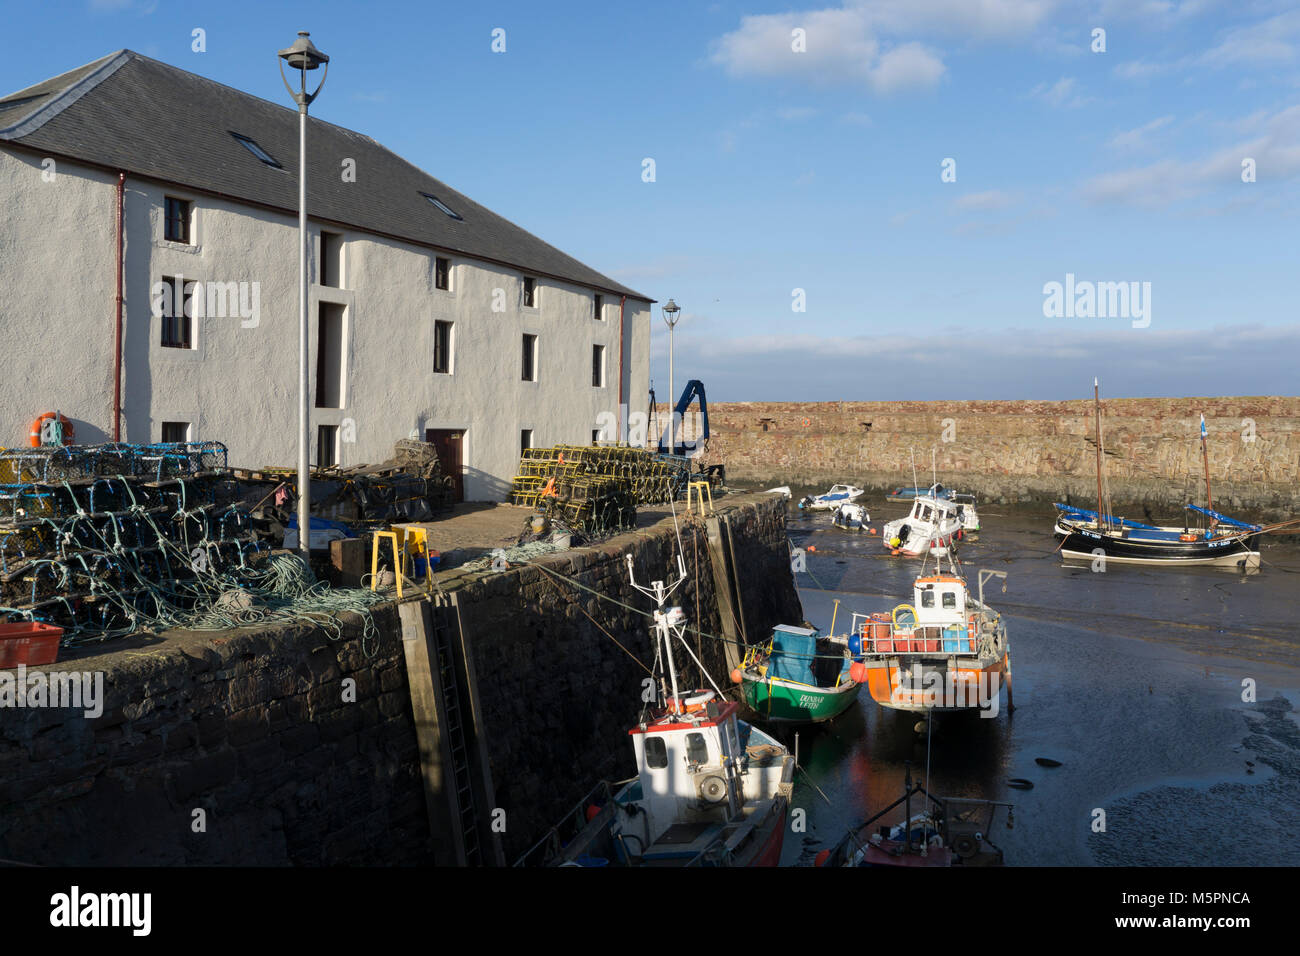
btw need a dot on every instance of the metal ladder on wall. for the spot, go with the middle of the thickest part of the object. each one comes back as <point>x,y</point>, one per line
<point>454,727</point>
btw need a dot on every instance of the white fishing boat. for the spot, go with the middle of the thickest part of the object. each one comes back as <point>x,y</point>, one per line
<point>970,519</point>
<point>710,789</point>
<point>929,528</point>
<point>851,517</point>
<point>838,495</point>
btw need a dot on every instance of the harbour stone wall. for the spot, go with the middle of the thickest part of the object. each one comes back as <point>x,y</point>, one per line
<point>243,747</point>
<point>1023,452</point>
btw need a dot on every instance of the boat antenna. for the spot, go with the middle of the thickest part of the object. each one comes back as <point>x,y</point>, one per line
<point>670,623</point>
<point>912,454</point>
<point>934,469</point>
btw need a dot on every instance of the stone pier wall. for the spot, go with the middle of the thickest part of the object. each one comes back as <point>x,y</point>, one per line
<point>251,746</point>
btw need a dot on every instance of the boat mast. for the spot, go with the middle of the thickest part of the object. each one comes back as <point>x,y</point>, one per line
<point>666,619</point>
<point>1205,457</point>
<point>1101,505</point>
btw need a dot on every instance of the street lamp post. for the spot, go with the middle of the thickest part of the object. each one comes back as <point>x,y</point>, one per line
<point>303,56</point>
<point>671,310</point>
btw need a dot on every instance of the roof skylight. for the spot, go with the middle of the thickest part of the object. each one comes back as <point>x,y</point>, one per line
<point>443,206</point>
<point>256,150</point>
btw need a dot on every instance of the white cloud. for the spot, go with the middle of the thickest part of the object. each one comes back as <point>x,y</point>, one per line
<point>987,201</point>
<point>1063,94</point>
<point>1050,359</point>
<point>1276,151</point>
<point>854,118</point>
<point>1269,42</point>
<point>875,43</point>
<point>1137,138</point>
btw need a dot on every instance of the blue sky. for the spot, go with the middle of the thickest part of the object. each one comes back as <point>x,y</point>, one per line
<point>819,169</point>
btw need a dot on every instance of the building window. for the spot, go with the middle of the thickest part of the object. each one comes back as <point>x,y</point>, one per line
<point>327,446</point>
<point>444,207</point>
<point>442,273</point>
<point>598,366</point>
<point>176,222</point>
<point>595,436</point>
<point>329,356</point>
<point>175,432</point>
<point>530,292</point>
<point>530,358</point>
<point>525,440</point>
<point>598,309</point>
<point>177,315</point>
<point>442,348</point>
<point>330,271</point>
<point>256,150</point>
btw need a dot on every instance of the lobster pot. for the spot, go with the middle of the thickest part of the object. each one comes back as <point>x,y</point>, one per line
<point>879,634</point>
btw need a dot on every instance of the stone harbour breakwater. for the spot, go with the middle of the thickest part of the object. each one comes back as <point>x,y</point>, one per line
<point>1025,452</point>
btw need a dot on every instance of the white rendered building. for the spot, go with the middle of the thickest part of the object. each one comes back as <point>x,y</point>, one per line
<point>430,316</point>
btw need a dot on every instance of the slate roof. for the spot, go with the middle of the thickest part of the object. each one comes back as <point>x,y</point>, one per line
<point>129,112</point>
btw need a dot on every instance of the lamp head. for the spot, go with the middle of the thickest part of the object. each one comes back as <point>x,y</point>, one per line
<point>303,54</point>
<point>671,309</point>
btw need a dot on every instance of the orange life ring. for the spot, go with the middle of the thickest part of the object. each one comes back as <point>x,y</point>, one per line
<point>34,435</point>
<point>807,422</point>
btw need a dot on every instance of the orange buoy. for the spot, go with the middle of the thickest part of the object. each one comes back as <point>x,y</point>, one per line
<point>34,435</point>
<point>737,676</point>
<point>812,547</point>
<point>858,672</point>
<point>821,858</point>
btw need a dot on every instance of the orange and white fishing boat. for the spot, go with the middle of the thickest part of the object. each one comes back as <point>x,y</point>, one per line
<point>945,651</point>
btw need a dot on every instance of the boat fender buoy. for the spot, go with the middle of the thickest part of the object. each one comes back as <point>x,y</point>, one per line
<point>737,676</point>
<point>858,672</point>
<point>821,858</point>
<point>895,541</point>
<point>811,548</point>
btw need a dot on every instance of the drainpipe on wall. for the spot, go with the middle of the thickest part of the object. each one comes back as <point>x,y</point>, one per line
<point>117,320</point>
<point>619,437</point>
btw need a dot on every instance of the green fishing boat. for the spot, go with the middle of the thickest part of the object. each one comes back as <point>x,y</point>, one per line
<point>797,677</point>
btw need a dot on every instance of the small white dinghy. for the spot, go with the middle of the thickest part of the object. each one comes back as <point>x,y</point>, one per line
<point>851,517</point>
<point>838,495</point>
<point>783,491</point>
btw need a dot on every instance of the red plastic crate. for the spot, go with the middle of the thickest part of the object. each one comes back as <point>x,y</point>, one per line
<point>30,643</point>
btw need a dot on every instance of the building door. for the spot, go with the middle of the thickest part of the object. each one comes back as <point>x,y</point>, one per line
<point>450,445</point>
